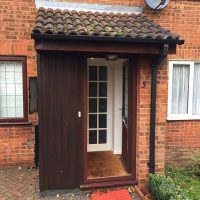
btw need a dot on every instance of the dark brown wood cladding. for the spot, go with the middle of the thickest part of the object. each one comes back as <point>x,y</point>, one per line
<point>60,85</point>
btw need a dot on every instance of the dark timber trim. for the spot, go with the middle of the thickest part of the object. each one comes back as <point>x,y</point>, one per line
<point>101,47</point>
<point>112,183</point>
<point>106,38</point>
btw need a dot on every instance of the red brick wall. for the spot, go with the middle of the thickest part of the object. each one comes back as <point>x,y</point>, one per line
<point>182,141</point>
<point>143,118</point>
<point>182,137</point>
<point>16,22</point>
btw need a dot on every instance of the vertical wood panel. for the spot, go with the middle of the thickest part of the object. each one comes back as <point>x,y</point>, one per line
<point>61,135</point>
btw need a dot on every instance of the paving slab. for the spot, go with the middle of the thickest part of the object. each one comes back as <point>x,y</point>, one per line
<point>23,183</point>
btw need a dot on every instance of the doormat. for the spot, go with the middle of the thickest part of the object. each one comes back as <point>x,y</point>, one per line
<point>112,195</point>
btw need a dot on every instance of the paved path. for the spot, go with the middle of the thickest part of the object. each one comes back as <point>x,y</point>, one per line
<point>22,184</point>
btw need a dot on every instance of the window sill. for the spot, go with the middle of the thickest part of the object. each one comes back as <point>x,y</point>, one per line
<point>183,118</point>
<point>15,123</point>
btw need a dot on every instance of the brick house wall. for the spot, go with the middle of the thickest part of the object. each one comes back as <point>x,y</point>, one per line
<point>16,22</point>
<point>143,118</point>
<point>182,137</point>
<point>173,138</point>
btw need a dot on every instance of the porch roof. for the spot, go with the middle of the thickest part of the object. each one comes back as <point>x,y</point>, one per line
<point>65,24</point>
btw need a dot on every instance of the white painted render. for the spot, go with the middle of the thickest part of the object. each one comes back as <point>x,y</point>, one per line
<point>58,4</point>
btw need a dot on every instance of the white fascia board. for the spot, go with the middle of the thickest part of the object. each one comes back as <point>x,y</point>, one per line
<point>93,7</point>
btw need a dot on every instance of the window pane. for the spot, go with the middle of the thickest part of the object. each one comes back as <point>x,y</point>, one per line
<point>92,137</point>
<point>196,90</point>
<point>19,100</point>
<point>102,137</point>
<point>103,121</point>
<point>11,101</point>
<point>3,112</point>
<point>2,67</point>
<point>180,88</point>
<point>92,73</point>
<point>11,111</point>
<point>102,73</point>
<point>10,77</point>
<point>19,89</point>
<point>3,89</point>
<point>2,77</point>
<point>92,105</point>
<point>93,121</point>
<point>18,77</point>
<point>10,67</point>
<point>11,89</point>
<point>102,89</point>
<point>103,105</point>
<point>92,89</point>
<point>19,111</point>
<point>18,67</point>
<point>3,99</point>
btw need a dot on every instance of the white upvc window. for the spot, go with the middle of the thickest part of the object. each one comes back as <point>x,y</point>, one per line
<point>184,90</point>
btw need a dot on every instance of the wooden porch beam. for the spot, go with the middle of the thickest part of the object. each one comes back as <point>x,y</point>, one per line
<point>101,47</point>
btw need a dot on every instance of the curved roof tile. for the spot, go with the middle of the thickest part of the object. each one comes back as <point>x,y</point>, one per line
<point>80,23</point>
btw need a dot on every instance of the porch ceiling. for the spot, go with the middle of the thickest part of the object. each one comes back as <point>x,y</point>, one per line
<point>58,24</point>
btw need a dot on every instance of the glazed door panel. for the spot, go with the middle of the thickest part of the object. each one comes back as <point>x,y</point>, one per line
<point>99,134</point>
<point>60,121</point>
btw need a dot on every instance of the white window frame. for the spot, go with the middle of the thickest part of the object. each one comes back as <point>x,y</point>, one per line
<point>189,115</point>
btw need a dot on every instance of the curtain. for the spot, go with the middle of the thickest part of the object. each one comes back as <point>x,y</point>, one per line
<point>180,89</point>
<point>196,90</point>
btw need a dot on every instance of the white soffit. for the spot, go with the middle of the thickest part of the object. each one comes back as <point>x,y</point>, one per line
<point>54,4</point>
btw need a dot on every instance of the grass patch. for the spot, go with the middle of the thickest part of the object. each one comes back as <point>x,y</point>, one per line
<point>188,182</point>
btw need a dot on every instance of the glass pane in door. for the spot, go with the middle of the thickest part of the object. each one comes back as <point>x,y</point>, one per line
<point>102,104</point>
<point>92,136</point>
<point>102,136</point>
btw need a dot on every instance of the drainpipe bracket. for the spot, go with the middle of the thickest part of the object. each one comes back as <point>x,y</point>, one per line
<point>151,166</point>
<point>165,50</point>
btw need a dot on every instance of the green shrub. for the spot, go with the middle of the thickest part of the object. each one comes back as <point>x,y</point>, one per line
<point>163,188</point>
<point>196,165</point>
<point>188,182</point>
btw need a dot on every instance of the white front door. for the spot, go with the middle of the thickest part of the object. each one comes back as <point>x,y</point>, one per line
<point>99,106</point>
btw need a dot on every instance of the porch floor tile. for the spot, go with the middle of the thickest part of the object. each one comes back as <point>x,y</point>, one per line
<point>22,183</point>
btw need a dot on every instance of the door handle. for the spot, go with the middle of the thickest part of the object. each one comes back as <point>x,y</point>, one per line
<point>79,113</point>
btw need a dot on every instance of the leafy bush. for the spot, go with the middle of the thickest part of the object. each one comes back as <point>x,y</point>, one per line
<point>164,188</point>
<point>196,165</point>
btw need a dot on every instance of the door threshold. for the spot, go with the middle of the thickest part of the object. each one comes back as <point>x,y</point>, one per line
<point>112,183</point>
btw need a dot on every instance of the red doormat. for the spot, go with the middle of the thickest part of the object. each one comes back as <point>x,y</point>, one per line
<point>121,194</point>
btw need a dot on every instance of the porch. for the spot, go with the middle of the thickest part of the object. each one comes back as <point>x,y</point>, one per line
<point>69,122</point>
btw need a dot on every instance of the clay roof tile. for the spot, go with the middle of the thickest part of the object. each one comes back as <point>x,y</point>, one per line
<point>89,23</point>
